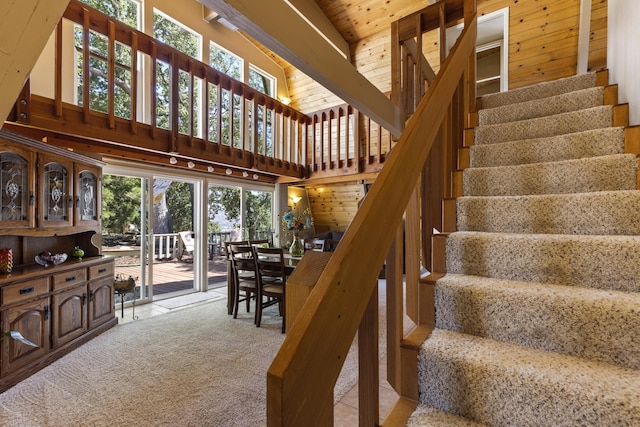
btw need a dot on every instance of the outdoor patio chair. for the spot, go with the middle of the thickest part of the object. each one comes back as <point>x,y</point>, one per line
<point>186,245</point>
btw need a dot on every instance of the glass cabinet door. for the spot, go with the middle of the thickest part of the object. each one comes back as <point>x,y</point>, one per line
<point>87,198</point>
<point>56,198</point>
<point>16,189</point>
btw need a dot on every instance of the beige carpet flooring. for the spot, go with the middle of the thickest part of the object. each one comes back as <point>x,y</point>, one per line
<point>191,367</point>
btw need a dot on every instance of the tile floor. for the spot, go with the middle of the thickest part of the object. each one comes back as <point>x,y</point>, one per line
<point>345,411</point>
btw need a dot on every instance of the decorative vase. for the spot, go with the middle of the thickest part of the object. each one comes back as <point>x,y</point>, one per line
<point>6,260</point>
<point>296,249</point>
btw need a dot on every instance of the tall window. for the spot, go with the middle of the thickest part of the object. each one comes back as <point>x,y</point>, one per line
<point>128,12</point>
<point>225,62</point>
<point>188,42</point>
<point>230,64</point>
<point>261,81</point>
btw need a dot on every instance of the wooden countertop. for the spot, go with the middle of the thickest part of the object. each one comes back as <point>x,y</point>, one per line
<point>29,271</point>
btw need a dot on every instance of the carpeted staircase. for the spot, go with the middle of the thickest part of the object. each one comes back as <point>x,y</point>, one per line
<point>538,317</point>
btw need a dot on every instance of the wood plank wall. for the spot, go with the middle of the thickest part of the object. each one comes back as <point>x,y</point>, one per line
<point>543,43</point>
<point>335,205</point>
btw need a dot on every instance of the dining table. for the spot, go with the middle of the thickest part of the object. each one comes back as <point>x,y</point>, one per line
<point>290,263</point>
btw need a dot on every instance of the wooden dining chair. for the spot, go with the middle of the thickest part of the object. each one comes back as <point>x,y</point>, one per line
<point>272,281</point>
<point>245,277</point>
<point>231,280</point>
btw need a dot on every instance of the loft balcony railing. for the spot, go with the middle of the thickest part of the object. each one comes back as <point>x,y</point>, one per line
<point>103,80</point>
<point>138,98</point>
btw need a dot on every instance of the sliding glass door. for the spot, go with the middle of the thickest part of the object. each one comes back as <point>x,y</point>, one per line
<point>150,227</point>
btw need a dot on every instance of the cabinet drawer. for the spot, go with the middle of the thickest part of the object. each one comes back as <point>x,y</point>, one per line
<point>101,270</point>
<point>70,278</point>
<point>25,290</point>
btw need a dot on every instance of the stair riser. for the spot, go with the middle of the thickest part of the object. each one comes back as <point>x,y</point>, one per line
<point>600,325</point>
<point>600,142</point>
<point>603,262</point>
<point>578,121</point>
<point>543,90</point>
<point>607,173</point>
<point>598,213</point>
<point>494,394</point>
<point>564,103</point>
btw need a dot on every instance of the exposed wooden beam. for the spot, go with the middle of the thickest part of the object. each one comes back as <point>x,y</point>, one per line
<point>278,27</point>
<point>26,27</point>
<point>316,16</point>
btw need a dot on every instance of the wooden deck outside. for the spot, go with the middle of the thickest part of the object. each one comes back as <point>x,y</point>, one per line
<point>172,275</point>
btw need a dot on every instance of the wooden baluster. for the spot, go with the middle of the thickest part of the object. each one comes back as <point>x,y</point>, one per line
<point>134,83</point>
<point>111,74</point>
<point>58,71</point>
<point>154,89</point>
<point>85,64</point>
<point>174,98</point>
<point>368,371</point>
<point>219,112</point>
<point>395,311</point>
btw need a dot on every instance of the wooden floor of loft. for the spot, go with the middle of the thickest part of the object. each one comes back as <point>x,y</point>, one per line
<point>174,275</point>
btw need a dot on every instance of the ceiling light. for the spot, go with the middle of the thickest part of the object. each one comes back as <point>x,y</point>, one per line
<point>255,176</point>
<point>229,171</point>
<point>210,168</point>
<point>191,165</point>
<point>245,174</point>
<point>173,160</point>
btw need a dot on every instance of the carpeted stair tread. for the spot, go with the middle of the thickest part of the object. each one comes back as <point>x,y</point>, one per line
<point>602,212</point>
<point>598,324</point>
<point>590,143</point>
<point>563,103</point>
<point>497,383</point>
<point>574,121</point>
<point>425,415</point>
<point>604,173</point>
<point>541,90</point>
<point>602,262</point>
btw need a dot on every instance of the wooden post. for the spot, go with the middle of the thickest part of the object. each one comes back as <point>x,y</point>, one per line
<point>301,283</point>
<point>368,374</point>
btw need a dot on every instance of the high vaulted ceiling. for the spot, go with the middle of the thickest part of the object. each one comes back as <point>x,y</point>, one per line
<point>358,19</point>
<point>315,39</point>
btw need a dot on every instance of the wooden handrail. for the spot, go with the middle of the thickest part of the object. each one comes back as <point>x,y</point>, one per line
<point>302,376</point>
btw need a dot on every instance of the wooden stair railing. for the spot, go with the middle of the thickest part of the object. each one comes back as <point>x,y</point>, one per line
<point>301,378</point>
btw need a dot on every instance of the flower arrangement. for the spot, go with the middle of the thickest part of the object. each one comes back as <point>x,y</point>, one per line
<point>296,223</point>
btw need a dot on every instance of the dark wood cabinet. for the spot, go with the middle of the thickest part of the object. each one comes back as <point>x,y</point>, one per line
<point>32,320</point>
<point>55,200</point>
<point>69,315</point>
<point>17,175</point>
<point>51,202</point>
<point>101,300</point>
